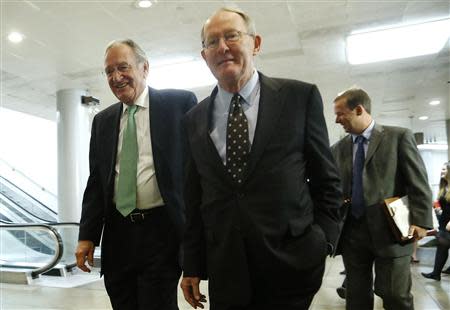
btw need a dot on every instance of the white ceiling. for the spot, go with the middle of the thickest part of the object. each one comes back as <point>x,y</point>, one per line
<point>304,40</point>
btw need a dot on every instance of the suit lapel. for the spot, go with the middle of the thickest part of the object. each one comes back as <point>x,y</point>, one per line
<point>204,129</point>
<point>347,156</point>
<point>375,139</point>
<point>113,139</point>
<point>157,128</point>
<point>270,107</point>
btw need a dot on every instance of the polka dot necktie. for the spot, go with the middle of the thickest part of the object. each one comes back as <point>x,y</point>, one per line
<point>237,142</point>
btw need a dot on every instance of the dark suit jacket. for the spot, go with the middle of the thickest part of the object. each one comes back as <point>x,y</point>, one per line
<point>393,167</point>
<point>290,184</point>
<point>167,107</point>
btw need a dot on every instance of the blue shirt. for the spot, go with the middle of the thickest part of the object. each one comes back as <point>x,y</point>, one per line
<point>366,134</point>
<point>221,106</point>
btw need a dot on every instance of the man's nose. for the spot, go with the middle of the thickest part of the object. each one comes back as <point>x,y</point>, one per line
<point>116,75</point>
<point>222,47</point>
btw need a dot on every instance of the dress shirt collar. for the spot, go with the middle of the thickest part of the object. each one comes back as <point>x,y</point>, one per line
<point>142,101</point>
<point>366,133</point>
<point>245,92</point>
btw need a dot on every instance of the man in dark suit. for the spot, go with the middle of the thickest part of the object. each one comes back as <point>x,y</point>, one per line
<point>262,192</point>
<point>377,162</point>
<point>134,191</point>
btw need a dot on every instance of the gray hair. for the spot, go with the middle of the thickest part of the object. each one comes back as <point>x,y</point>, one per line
<point>250,25</point>
<point>137,50</point>
<point>355,96</point>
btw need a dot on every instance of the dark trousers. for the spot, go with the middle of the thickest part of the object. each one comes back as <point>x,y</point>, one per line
<point>441,255</point>
<point>293,300</point>
<point>291,294</point>
<point>149,277</point>
<point>392,274</point>
<point>297,303</point>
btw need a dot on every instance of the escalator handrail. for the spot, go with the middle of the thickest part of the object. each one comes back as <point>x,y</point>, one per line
<point>68,266</point>
<point>22,174</point>
<point>27,212</point>
<point>44,223</point>
<point>54,234</point>
<point>28,195</point>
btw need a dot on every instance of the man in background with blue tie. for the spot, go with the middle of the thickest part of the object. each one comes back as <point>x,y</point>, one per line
<point>133,199</point>
<point>262,191</point>
<point>377,162</point>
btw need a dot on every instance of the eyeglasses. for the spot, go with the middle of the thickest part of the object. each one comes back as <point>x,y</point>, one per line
<point>229,37</point>
<point>122,68</point>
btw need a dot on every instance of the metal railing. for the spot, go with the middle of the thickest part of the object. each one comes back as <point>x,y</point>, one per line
<point>20,254</point>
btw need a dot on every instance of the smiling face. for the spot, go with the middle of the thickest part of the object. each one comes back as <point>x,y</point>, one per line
<point>346,116</point>
<point>126,77</point>
<point>444,172</point>
<point>230,62</point>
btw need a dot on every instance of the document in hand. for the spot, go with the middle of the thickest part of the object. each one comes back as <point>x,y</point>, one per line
<point>397,212</point>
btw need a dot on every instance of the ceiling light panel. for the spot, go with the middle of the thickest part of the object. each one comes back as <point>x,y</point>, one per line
<point>397,42</point>
<point>15,37</point>
<point>434,102</point>
<point>143,4</point>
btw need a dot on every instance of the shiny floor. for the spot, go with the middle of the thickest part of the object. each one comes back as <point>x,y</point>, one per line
<point>67,294</point>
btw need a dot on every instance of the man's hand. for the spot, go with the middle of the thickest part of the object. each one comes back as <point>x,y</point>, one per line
<point>417,232</point>
<point>85,250</point>
<point>447,226</point>
<point>191,292</point>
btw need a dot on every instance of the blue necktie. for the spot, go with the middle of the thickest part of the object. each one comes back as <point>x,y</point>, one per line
<point>357,185</point>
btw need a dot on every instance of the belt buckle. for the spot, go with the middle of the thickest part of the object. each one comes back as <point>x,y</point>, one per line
<point>136,217</point>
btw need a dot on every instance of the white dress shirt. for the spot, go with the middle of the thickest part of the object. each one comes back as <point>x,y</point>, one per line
<point>148,194</point>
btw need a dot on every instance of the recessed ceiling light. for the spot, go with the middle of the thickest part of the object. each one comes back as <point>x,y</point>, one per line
<point>423,118</point>
<point>396,42</point>
<point>15,37</point>
<point>434,102</point>
<point>144,4</point>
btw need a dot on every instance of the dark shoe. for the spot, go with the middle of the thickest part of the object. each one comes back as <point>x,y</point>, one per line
<point>446,271</point>
<point>341,291</point>
<point>431,276</point>
<point>343,272</point>
<point>414,260</point>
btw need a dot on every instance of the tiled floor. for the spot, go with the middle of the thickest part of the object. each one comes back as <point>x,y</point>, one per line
<point>428,294</point>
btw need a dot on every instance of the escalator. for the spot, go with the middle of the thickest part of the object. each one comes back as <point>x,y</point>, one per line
<point>27,208</point>
<point>32,242</point>
<point>29,250</point>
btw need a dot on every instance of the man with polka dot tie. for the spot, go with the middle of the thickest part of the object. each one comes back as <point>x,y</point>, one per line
<point>262,193</point>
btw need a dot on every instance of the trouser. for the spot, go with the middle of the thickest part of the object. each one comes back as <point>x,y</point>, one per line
<point>295,298</point>
<point>148,279</point>
<point>441,255</point>
<point>392,274</point>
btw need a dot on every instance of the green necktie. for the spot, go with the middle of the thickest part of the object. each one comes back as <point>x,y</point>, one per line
<point>126,188</point>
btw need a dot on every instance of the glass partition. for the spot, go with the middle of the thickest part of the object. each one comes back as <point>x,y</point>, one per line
<point>37,247</point>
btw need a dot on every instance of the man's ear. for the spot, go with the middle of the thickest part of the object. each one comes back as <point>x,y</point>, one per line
<point>359,109</point>
<point>146,68</point>
<point>257,46</point>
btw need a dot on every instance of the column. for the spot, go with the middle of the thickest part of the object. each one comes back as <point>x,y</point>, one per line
<point>73,150</point>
